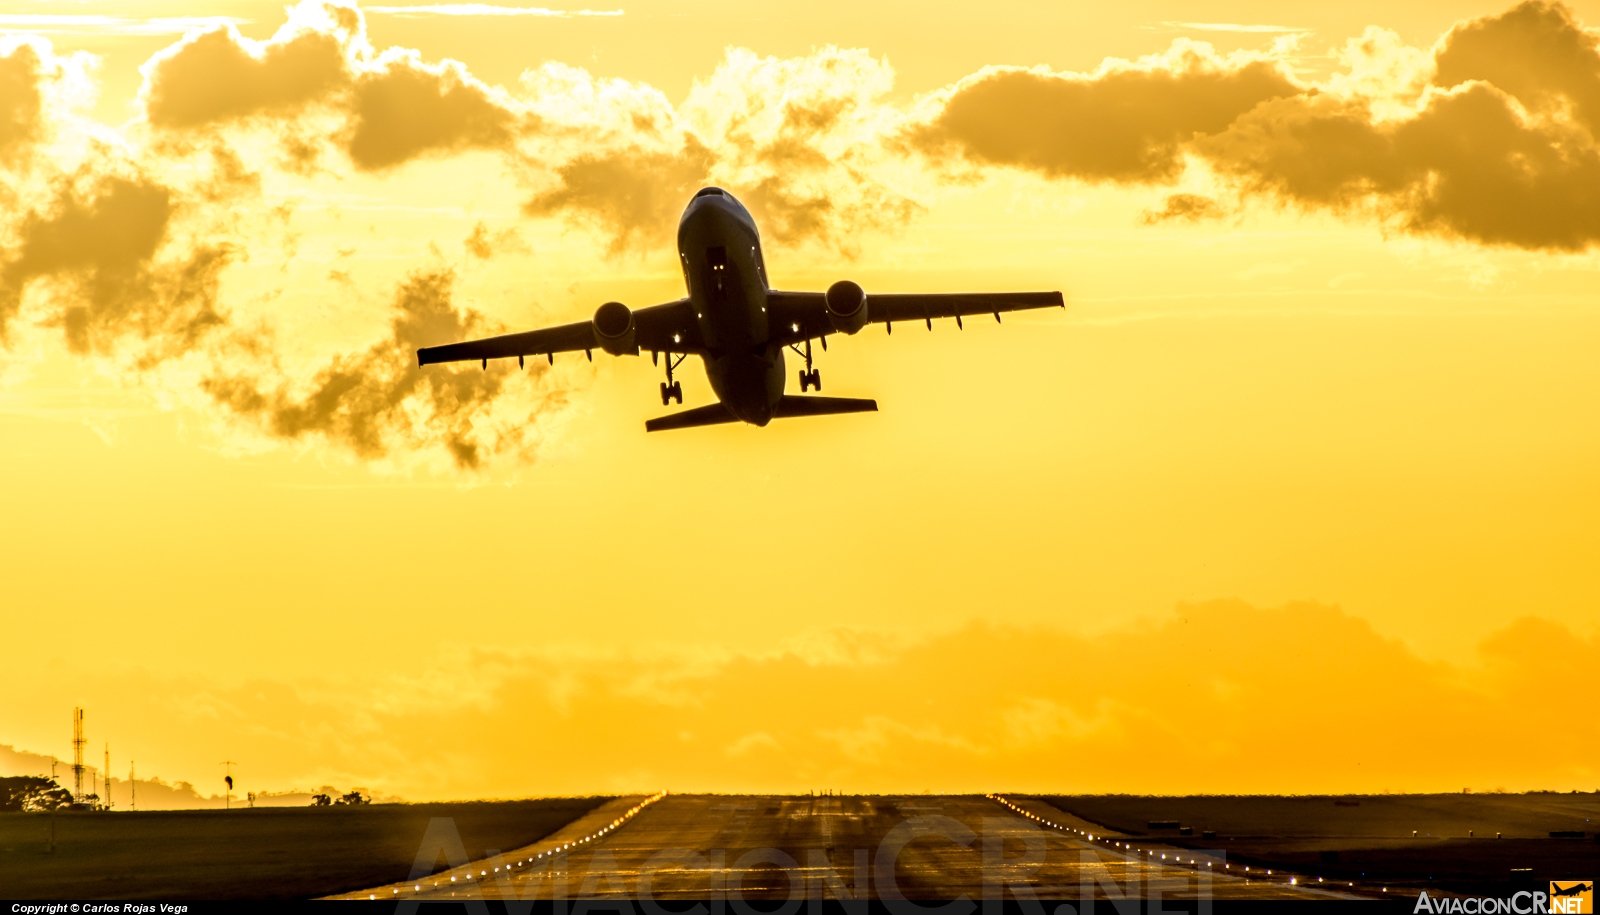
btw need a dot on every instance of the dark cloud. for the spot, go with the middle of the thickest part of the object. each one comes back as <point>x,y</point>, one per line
<point>790,215</point>
<point>792,129</point>
<point>1185,207</point>
<point>484,244</point>
<point>229,178</point>
<point>810,194</point>
<point>808,143</point>
<point>377,401</point>
<point>1500,149</point>
<point>21,102</point>
<point>1536,52</point>
<point>1126,125</point>
<point>635,197</point>
<point>478,244</point>
<point>395,107</point>
<point>802,124</point>
<point>215,77</point>
<point>409,108</point>
<point>1469,165</point>
<point>100,238</point>
<point>632,195</point>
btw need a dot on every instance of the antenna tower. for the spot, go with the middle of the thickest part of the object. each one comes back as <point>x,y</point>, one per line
<point>107,802</point>
<point>77,755</point>
<point>133,785</point>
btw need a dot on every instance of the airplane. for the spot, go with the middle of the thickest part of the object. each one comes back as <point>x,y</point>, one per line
<point>737,323</point>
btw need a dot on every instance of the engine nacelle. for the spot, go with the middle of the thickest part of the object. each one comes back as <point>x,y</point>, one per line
<point>614,330</point>
<point>846,304</point>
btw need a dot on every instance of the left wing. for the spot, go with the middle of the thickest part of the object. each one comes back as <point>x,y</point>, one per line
<point>544,342</point>
<point>668,328</point>
<point>799,316</point>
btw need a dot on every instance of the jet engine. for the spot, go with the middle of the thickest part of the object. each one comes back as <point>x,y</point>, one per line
<point>613,328</point>
<point>846,306</point>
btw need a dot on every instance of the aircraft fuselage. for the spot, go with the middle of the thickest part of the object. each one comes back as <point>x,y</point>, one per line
<point>719,250</point>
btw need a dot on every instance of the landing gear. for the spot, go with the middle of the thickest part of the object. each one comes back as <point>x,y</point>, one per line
<point>809,377</point>
<point>672,390</point>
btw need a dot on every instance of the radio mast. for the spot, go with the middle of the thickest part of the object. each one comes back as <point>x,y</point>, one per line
<point>107,802</point>
<point>77,755</point>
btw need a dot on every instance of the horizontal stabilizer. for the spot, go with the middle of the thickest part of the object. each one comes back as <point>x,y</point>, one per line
<point>709,415</point>
<point>795,405</point>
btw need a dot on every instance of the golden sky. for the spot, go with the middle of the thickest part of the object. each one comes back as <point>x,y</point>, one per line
<point>1298,494</point>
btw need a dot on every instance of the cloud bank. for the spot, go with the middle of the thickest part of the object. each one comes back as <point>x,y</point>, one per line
<point>1496,145</point>
<point>1214,698</point>
<point>1126,123</point>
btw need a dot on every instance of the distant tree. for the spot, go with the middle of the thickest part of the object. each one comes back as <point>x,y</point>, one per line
<point>320,800</point>
<point>32,792</point>
<point>353,797</point>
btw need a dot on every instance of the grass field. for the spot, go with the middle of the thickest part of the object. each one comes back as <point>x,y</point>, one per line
<point>273,853</point>
<point>1370,837</point>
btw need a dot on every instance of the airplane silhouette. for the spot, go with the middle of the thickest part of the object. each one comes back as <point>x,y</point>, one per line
<point>1576,889</point>
<point>734,321</point>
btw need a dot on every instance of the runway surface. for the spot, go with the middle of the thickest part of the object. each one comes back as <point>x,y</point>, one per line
<point>886,847</point>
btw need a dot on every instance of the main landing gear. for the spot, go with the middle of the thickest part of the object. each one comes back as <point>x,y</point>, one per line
<point>672,390</point>
<point>809,377</point>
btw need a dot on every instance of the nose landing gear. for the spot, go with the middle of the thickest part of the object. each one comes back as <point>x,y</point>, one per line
<point>809,377</point>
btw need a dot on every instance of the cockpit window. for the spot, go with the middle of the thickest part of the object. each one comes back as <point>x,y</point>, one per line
<point>711,192</point>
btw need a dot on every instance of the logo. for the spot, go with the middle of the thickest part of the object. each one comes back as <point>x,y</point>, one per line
<point>1571,897</point>
<point>1566,897</point>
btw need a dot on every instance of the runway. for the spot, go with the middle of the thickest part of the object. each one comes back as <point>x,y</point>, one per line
<point>845,847</point>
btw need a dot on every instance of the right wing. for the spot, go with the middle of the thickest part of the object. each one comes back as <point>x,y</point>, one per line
<point>800,316</point>
<point>668,328</point>
<point>921,306</point>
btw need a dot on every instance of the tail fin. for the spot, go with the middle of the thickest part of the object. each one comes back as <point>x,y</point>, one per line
<point>795,405</point>
<point>709,415</point>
